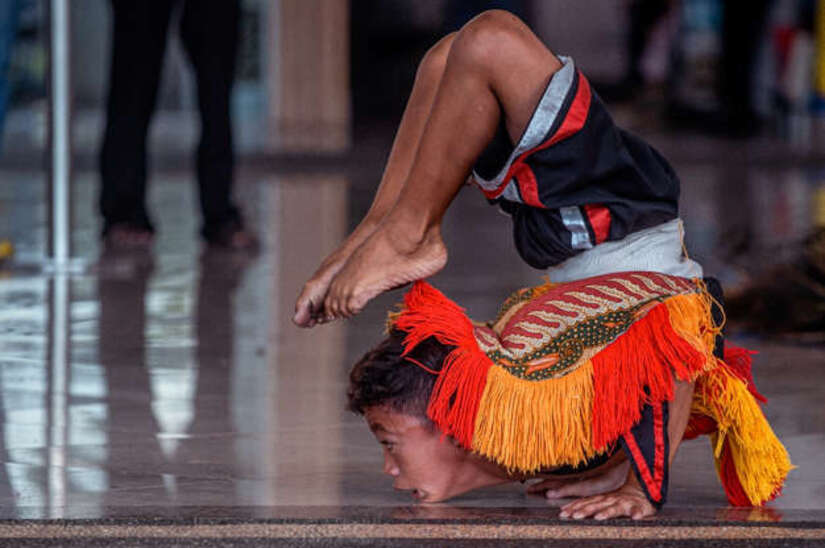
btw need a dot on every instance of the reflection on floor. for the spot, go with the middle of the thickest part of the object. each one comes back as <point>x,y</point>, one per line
<point>173,383</point>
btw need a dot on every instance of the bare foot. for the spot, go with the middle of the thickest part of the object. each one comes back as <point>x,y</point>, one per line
<point>308,306</point>
<point>627,501</point>
<point>559,488</point>
<point>388,259</point>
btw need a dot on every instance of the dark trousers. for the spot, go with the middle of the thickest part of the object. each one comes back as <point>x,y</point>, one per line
<point>643,17</point>
<point>743,27</point>
<point>209,32</point>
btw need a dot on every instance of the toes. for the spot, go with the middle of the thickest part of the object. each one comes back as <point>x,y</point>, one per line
<point>354,305</point>
<point>303,314</point>
<point>330,308</point>
<point>305,308</point>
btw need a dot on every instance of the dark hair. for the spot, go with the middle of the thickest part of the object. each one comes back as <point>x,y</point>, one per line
<point>382,377</point>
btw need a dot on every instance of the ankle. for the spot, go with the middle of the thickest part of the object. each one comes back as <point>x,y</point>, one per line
<point>411,233</point>
<point>411,225</point>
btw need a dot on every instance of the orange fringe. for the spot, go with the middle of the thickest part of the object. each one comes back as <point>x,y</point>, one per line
<point>514,411</point>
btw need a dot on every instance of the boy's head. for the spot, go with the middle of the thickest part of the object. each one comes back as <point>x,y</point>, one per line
<point>392,393</point>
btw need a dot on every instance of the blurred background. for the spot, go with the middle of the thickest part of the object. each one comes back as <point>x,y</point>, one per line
<point>701,79</point>
<point>170,375</point>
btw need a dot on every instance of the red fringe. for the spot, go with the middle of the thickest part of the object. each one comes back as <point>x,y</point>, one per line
<point>699,425</point>
<point>739,360</point>
<point>730,480</point>
<point>637,369</point>
<point>457,392</point>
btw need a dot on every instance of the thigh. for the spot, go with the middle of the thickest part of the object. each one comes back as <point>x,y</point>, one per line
<point>209,32</point>
<point>520,82</point>
<point>138,42</point>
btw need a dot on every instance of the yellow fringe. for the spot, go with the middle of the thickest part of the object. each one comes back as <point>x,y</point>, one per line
<point>548,423</point>
<point>760,459</point>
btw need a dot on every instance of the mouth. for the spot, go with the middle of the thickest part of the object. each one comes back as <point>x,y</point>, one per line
<point>418,495</point>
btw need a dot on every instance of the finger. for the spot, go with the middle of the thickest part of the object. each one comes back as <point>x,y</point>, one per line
<point>619,509</point>
<point>592,509</point>
<point>643,510</point>
<point>571,506</point>
<point>587,506</point>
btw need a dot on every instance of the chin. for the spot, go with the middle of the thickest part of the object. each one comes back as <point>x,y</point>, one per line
<point>428,497</point>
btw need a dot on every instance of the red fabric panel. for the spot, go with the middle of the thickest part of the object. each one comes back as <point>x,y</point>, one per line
<point>599,217</point>
<point>528,186</point>
<point>659,463</point>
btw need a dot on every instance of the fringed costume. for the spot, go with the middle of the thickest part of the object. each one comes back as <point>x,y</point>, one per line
<point>570,373</point>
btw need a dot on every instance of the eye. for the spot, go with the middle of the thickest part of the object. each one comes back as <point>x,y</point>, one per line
<point>388,445</point>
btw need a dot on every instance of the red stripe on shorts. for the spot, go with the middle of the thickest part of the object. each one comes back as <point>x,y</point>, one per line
<point>599,217</point>
<point>572,124</point>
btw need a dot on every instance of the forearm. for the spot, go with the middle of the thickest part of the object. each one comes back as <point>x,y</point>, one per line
<point>679,415</point>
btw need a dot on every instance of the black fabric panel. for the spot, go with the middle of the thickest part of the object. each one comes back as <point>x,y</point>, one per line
<point>590,464</point>
<point>715,290</point>
<point>645,435</point>
<point>496,154</point>
<point>539,234</point>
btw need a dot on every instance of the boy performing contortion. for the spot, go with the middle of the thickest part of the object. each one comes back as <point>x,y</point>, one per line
<point>587,200</point>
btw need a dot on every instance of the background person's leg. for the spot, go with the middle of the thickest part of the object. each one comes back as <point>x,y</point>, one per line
<point>138,43</point>
<point>404,148</point>
<point>496,67</point>
<point>209,31</point>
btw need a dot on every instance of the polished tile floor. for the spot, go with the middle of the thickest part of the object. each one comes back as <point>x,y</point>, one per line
<point>172,383</point>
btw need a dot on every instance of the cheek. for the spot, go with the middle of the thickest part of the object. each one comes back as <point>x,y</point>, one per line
<point>430,466</point>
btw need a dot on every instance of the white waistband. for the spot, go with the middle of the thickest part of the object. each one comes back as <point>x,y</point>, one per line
<point>656,249</point>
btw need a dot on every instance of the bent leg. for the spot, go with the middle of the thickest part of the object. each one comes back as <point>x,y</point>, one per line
<point>496,67</point>
<point>402,154</point>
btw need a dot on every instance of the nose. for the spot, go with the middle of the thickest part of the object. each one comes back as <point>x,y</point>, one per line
<point>390,468</point>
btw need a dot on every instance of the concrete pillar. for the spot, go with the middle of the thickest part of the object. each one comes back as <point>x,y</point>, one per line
<point>307,70</point>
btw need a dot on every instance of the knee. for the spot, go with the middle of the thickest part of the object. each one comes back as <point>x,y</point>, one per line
<point>435,60</point>
<point>490,35</point>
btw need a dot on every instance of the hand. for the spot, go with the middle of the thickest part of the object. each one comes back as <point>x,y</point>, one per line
<point>559,488</point>
<point>627,501</point>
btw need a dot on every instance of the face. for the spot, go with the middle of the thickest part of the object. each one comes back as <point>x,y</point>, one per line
<point>421,462</point>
